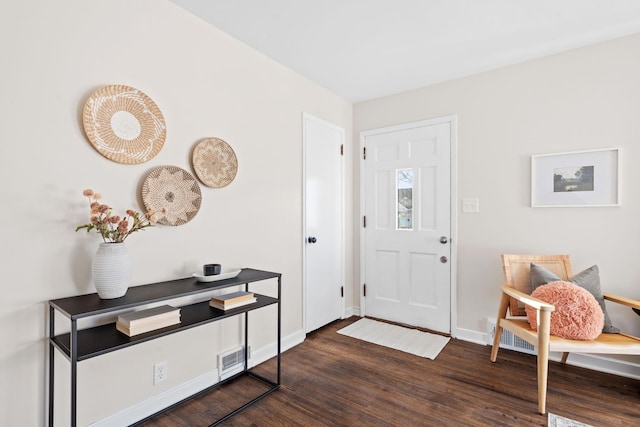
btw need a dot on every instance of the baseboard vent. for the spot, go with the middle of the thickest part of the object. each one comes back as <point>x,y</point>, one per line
<point>508,340</point>
<point>231,362</point>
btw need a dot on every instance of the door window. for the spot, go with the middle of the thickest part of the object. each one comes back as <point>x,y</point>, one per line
<point>404,195</point>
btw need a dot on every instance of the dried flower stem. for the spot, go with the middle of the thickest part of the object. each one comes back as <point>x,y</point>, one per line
<point>113,228</point>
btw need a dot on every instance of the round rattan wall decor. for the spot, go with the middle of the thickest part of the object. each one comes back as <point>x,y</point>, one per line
<point>215,162</point>
<point>123,124</point>
<point>172,194</point>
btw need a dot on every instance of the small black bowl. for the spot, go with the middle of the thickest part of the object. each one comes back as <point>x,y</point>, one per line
<point>212,269</point>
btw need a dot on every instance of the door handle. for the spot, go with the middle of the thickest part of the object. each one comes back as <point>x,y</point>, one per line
<point>312,239</point>
<point>444,240</point>
<point>444,259</point>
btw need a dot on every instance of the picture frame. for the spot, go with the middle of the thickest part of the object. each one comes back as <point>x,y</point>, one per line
<point>576,179</point>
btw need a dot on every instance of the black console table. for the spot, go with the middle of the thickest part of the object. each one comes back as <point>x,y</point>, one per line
<point>79,345</point>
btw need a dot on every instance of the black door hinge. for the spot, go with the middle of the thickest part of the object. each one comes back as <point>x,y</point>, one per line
<point>364,153</point>
<point>364,221</point>
<point>342,149</point>
<point>364,289</point>
<point>342,291</point>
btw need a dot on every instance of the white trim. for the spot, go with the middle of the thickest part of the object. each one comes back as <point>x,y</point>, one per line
<point>341,131</point>
<point>453,311</point>
<point>305,116</point>
<point>595,362</point>
<point>167,398</point>
<point>453,122</point>
<point>352,311</point>
<point>603,364</point>
<point>152,405</point>
<point>470,336</point>
<point>363,178</point>
<point>271,350</point>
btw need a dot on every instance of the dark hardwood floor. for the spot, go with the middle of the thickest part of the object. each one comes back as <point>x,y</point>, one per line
<point>334,380</point>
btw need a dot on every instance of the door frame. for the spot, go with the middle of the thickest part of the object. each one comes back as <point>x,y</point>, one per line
<point>453,123</point>
<point>342,132</point>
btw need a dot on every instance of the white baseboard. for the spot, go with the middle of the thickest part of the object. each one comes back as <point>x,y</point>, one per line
<point>151,406</point>
<point>602,363</point>
<point>596,362</point>
<point>351,311</point>
<point>176,394</point>
<point>470,336</point>
<point>184,390</point>
<point>267,352</point>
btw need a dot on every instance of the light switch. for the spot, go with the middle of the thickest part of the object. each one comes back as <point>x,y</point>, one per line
<point>470,205</point>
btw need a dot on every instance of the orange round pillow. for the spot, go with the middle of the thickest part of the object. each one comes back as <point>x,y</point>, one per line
<point>577,316</point>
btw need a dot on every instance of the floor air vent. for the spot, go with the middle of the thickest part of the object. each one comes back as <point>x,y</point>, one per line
<point>508,340</point>
<point>231,362</point>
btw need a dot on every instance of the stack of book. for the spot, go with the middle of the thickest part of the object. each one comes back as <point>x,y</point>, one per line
<point>139,322</point>
<point>232,300</point>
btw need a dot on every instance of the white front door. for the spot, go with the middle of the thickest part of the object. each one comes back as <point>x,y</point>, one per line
<point>407,237</point>
<point>323,223</point>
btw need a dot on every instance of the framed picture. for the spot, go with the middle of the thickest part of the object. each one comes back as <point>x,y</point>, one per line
<point>581,178</point>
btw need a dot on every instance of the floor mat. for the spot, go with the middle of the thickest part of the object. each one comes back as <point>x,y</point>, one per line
<point>409,340</point>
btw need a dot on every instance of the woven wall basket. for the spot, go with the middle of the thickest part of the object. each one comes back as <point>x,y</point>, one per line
<point>215,162</point>
<point>124,124</point>
<point>172,194</point>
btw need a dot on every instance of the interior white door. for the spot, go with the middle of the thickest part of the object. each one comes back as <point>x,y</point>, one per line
<point>408,224</point>
<point>323,222</point>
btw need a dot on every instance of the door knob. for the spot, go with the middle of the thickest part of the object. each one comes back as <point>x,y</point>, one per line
<point>312,240</point>
<point>443,259</point>
<point>444,240</point>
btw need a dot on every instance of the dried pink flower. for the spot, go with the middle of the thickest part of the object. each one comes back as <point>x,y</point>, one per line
<point>123,226</point>
<point>113,228</point>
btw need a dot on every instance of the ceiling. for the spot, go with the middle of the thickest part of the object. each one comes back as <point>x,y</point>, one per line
<point>366,49</point>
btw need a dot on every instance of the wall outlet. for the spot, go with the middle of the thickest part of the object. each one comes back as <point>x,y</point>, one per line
<point>160,372</point>
<point>470,206</point>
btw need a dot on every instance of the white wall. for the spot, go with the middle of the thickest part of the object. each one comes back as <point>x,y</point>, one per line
<point>207,85</point>
<point>579,100</point>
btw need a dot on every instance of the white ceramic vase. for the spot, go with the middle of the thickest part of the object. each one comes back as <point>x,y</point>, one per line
<point>111,270</point>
